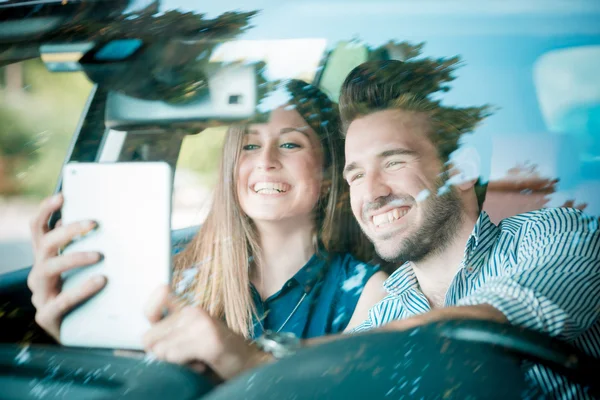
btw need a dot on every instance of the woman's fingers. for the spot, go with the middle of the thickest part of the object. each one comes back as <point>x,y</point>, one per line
<point>44,278</point>
<point>50,314</point>
<point>176,348</point>
<point>49,244</point>
<point>160,330</point>
<point>159,304</point>
<point>39,223</point>
<point>56,266</point>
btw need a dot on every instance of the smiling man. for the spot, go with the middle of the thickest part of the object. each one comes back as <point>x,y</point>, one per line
<point>539,270</point>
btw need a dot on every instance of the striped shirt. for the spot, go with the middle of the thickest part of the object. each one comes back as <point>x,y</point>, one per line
<point>541,269</point>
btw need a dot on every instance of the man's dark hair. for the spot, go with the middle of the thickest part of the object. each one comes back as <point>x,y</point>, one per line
<point>391,84</point>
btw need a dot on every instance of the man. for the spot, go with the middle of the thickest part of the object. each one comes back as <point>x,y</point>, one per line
<point>539,270</point>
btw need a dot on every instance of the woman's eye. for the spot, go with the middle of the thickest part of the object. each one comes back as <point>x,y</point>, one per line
<point>290,146</point>
<point>250,147</point>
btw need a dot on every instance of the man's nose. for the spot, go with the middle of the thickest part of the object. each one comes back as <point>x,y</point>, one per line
<point>375,187</point>
<point>269,158</point>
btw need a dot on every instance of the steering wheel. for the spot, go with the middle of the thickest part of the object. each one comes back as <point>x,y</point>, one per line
<point>449,360</point>
<point>50,372</point>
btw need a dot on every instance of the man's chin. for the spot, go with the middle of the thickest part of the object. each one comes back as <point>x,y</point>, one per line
<point>388,238</point>
<point>388,251</point>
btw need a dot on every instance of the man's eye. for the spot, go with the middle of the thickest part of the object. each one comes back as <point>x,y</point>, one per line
<point>395,164</point>
<point>250,147</point>
<point>355,177</point>
<point>290,146</point>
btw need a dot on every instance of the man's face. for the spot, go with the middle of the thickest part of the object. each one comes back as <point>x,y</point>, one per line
<point>395,174</point>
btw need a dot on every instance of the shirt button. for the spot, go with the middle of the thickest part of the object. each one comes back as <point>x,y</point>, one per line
<point>470,269</point>
<point>289,284</point>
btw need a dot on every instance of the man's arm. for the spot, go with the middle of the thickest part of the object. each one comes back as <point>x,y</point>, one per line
<point>480,312</point>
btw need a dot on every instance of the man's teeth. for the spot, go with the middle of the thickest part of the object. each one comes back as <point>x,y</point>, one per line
<point>390,216</point>
<point>270,187</point>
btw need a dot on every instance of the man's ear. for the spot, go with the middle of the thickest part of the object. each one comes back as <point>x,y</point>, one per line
<point>458,178</point>
<point>463,168</point>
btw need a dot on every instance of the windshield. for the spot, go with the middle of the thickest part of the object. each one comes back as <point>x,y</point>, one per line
<point>533,64</point>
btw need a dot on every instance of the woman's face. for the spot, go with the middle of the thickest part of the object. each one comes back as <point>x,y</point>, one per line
<point>280,169</point>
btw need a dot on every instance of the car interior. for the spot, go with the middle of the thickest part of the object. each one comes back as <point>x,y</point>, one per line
<point>139,110</point>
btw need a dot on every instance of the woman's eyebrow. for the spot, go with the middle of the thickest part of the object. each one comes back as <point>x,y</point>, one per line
<point>283,131</point>
<point>302,130</point>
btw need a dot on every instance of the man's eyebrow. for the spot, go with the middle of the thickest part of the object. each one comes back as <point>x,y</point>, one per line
<point>397,152</point>
<point>388,153</point>
<point>349,168</point>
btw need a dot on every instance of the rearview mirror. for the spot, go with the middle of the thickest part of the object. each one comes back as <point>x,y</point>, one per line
<point>231,97</point>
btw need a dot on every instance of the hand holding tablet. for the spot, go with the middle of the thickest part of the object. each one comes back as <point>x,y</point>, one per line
<point>131,204</point>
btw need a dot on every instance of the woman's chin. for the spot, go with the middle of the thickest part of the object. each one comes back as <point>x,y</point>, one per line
<point>278,214</point>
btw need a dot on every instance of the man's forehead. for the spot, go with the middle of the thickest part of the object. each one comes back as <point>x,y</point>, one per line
<point>384,130</point>
<point>391,123</point>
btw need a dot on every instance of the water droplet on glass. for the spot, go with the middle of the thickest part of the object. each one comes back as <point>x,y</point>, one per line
<point>23,356</point>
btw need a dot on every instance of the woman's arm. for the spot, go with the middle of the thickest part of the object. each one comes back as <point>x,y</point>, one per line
<point>372,294</point>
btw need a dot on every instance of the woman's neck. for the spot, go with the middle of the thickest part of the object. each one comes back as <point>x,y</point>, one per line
<point>286,246</point>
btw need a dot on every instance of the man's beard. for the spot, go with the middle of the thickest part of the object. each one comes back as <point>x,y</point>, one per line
<point>442,219</point>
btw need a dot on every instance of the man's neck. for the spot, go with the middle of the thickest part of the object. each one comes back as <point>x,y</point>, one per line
<point>286,246</point>
<point>435,273</point>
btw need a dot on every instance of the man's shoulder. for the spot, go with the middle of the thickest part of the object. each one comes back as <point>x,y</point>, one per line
<point>555,219</point>
<point>548,227</point>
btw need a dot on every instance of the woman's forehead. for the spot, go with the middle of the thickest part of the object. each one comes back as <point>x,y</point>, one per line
<point>280,119</point>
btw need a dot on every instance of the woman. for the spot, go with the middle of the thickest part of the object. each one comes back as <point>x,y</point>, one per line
<point>273,252</point>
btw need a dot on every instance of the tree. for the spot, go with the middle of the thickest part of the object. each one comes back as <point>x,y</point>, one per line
<point>17,151</point>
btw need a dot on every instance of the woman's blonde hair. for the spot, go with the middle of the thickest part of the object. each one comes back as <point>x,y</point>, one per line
<point>227,244</point>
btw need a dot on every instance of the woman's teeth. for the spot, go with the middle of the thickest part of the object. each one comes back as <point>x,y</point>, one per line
<point>390,216</point>
<point>270,187</point>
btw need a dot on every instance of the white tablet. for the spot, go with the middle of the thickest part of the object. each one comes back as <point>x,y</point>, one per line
<point>131,202</point>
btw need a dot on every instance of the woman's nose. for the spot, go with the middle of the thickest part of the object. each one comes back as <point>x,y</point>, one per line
<point>268,159</point>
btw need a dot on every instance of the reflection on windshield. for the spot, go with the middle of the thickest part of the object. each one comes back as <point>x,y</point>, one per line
<point>514,92</point>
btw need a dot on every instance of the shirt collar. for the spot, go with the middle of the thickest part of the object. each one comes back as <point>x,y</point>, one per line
<point>478,241</point>
<point>404,277</point>
<point>312,272</point>
<point>401,280</point>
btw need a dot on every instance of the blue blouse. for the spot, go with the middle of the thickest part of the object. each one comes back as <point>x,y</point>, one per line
<point>324,294</point>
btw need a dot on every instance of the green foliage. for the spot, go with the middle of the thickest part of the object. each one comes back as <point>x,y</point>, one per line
<point>16,152</point>
<point>15,141</point>
<point>45,115</point>
<point>201,153</point>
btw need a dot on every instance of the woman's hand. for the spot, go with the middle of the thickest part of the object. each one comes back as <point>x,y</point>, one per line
<point>191,336</point>
<point>45,281</point>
